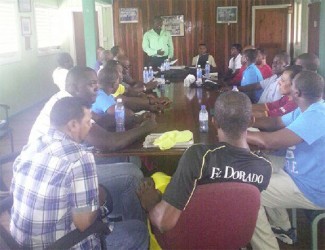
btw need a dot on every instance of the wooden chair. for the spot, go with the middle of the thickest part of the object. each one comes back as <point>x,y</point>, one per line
<point>219,216</point>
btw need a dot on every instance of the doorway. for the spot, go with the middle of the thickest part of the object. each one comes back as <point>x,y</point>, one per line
<point>313,28</point>
<point>271,29</point>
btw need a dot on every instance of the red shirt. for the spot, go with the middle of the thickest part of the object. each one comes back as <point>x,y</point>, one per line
<point>237,78</point>
<point>266,71</point>
<point>280,107</point>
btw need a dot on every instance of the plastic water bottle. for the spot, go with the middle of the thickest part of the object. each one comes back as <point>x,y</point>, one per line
<point>162,67</point>
<point>204,119</point>
<point>145,75</point>
<point>234,88</point>
<point>207,69</point>
<point>119,116</point>
<point>199,73</point>
<point>167,66</point>
<point>162,77</point>
<point>150,74</point>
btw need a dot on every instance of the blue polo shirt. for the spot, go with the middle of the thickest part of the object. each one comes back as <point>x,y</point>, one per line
<point>102,103</point>
<point>305,162</point>
<point>252,75</point>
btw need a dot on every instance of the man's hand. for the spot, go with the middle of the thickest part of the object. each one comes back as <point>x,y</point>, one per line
<point>148,195</point>
<point>150,122</point>
<point>151,85</point>
<point>160,52</point>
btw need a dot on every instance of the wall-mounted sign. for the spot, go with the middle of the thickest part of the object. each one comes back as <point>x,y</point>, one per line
<point>227,14</point>
<point>129,15</point>
<point>174,24</point>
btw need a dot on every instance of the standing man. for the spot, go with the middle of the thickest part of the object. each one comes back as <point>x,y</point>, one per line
<point>55,187</point>
<point>158,44</point>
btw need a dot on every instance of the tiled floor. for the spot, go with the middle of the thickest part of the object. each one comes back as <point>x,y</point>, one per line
<point>22,124</point>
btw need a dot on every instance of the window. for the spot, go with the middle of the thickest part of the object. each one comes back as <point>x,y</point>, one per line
<point>9,50</point>
<point>48,29</point>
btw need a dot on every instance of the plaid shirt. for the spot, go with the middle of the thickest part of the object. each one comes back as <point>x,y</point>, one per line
<point>53,177</point>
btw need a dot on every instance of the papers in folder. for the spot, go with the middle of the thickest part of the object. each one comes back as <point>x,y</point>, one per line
<point>173,62</point>
<point>148,142</point>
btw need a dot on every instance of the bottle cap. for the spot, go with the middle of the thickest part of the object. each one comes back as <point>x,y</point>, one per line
<point>202,106</point>
<point>150,67</point>
<point>119,100</point>
<point>199,66</point>
<point>207,62</point>
<point>145,67</point>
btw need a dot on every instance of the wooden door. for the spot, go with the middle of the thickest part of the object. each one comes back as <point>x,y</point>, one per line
<point>271,31</point>
<point>80,37</point>
<point>313,28</point>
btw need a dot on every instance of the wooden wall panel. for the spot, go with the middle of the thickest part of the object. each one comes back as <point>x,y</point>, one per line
<point>200,27</point>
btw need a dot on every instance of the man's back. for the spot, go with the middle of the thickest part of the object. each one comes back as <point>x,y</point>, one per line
<point>53,176</point>
<point>202,164</point>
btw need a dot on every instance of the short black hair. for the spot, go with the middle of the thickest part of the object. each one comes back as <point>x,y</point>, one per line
<point>284,56</point>
<point>310,84</point>
<point>107,76</point>
<point>75,77</point>
<point>309,61</point>
<point>115,49</point>
<point>67,109</point>
<point>63,58</point>
<point>251,54</point>
<point>237,46</point>
<point>294,70</point>
<point>112,64</point>
<point>202,44</point>
<point>233,111</point>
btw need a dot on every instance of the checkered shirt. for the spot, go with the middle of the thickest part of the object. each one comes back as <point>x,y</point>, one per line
<point>53,177</point>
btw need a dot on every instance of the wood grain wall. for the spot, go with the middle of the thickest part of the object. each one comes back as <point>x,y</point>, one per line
<point>200,27</point>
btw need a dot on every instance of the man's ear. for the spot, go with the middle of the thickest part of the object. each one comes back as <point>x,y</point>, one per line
<point>72,127</point>
<point>214,122</point>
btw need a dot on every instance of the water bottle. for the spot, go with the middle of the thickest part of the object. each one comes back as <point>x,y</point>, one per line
<point>145,75</point>
<point>167,64</point>
<point>150,74</point>
<point>199,73</point>
<point>162,67</point>
<point>207,69</point>
<point>162,77</point>
<point>119,116</point>
<point>204,119</point>
<point>234,88</point>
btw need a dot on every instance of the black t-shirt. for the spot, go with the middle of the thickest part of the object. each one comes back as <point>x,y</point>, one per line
<point>202,164</point>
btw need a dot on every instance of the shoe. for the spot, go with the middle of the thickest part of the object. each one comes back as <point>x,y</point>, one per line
<point>289,237</point>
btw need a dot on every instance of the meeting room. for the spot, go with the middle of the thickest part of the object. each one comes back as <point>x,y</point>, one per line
<point>162,124</point>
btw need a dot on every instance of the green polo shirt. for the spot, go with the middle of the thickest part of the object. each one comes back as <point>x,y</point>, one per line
<point>152,42</point>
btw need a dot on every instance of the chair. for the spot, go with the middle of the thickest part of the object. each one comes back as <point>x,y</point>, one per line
<point>4,126</point>
<point>318,215</point>
<point>219,216</point>
<point>7,242</point>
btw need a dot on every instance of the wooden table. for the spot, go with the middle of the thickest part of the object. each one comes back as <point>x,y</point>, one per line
<point>183,114</point>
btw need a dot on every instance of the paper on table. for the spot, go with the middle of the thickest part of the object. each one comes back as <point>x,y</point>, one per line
<point>149,140</point>
<point>177,67</point>
<point>253,129</point>
<point>173,62</point>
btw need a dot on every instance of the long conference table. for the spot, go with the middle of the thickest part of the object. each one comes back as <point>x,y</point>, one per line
<point>182,114</point>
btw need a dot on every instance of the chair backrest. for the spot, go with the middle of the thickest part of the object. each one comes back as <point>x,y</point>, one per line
<point>219,216</point>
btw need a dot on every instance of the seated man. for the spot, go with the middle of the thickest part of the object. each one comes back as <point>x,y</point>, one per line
<point>104,57</point>
<point>55,187</point>
<point>270,85</point>
<point>251,73</point>
<point>285,104</point>
<point>121,179</point>
<point>308,61</point>
<point>265,69</point>
<point>117,51</point>
<point>203,57</point>
<point>60,73</point>
<point>300,182</point>
<point>203,164</point>
<point>234,62</point>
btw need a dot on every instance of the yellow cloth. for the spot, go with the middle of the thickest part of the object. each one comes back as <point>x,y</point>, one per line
<point>120,90</point>
<point>161,181</point>
<point>169,139</point>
